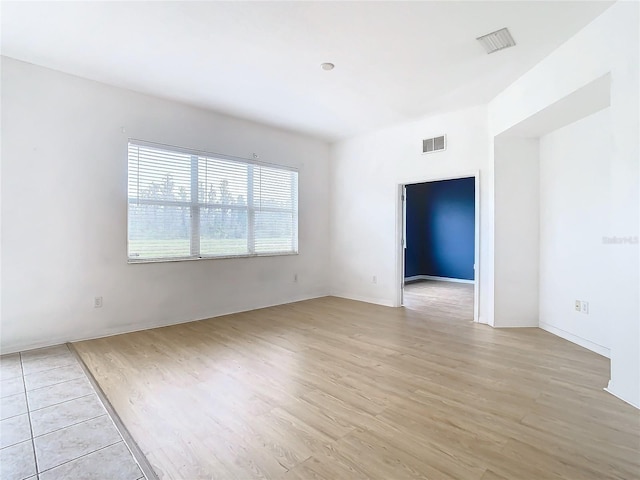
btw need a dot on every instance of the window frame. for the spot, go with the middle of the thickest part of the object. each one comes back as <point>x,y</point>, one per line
<point>195,206</point>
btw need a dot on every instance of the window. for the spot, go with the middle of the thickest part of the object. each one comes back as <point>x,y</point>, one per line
<point>185,204</point>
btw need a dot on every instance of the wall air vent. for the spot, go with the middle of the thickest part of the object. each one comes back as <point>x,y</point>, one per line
<point>498,40</point>
<point>435,144</point>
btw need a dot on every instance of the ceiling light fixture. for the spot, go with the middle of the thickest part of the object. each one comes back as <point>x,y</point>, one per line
<point>498,40</point>
<point>327,66</point>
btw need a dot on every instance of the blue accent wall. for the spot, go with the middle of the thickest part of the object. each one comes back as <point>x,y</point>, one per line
<point>440,229</point>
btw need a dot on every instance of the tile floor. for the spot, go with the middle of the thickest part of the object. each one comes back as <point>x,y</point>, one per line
<point>52,423</point>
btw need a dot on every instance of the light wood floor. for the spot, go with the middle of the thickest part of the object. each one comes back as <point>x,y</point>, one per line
<point>337,389</point>
<point>445,300</point>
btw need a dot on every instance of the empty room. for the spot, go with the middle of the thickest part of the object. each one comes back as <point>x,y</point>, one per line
<point>439,248</point>
<point>206,240</point>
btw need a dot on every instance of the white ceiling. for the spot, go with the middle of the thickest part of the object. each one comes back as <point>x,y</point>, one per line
<point>394,61</point>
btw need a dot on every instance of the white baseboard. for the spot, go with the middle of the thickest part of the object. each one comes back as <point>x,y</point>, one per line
<point>583,342</point>
<point>108,332</point>
<point>438,279</point>
<point>611,390</point>
<point>499,327</point>
<point>361,298</point>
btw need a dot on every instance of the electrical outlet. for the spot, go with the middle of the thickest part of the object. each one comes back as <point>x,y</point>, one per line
<point>578,306</point>
<point>585,308</point>
<point>375,279</point>
<point>97,302</point>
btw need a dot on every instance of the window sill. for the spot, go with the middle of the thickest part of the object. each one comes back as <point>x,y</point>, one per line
<point>132,261</point>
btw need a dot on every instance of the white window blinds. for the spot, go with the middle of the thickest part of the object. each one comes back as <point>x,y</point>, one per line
<point>186,204</point>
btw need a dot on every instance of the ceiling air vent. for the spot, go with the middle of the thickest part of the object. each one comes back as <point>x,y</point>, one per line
<point>435,144</point>
<point>498,40</point>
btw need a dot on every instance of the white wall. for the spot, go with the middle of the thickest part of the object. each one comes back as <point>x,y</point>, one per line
<point>516,168</point>
<point>64,213</point>
<point>609,44</point>
<point>574,205</point>
<point>365,174</point>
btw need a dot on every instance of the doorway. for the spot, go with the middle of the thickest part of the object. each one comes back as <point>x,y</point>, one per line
<point>439,246</point>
